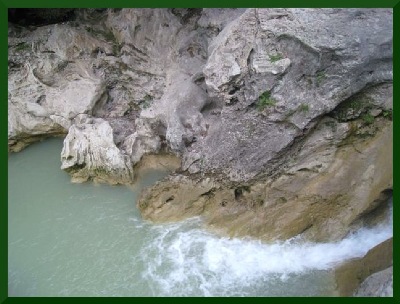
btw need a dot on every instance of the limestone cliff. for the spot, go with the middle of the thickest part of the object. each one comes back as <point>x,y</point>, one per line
<point>282,118</point>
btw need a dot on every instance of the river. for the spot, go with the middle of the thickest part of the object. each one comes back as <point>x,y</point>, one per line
<point>68,239</point>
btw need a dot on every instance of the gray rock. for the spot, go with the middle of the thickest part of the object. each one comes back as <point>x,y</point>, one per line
<point>368,276</point>
<point>310,60</point>
<point>379,284</point>
<point>46,92</point>
<point>89,152</point>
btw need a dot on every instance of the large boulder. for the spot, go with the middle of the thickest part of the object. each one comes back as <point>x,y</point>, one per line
<point>89,152</point>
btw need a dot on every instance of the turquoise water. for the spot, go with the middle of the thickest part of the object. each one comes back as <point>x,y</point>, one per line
<point>89,240</point>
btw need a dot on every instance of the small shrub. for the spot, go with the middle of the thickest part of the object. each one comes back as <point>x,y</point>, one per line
<point>274,58</point>
<point>304,107</point>
<point>147,97</point>
<point>352,109</point>
<point>146,102</point>
<point>22,46</point>
<point>320,77</point>
<point>368,118</point>
<point>107,35</point>
<point>388,114</point>
<point>265,100</point>
<point>332,124</point>
<point>62,65</point>
<point>358,104</point>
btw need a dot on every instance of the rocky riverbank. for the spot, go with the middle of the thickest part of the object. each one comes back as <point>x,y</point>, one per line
<point>281,118</point>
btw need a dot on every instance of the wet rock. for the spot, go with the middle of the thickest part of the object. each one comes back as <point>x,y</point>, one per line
<point>379,284</point>
<point>325,193</point>
<point>374,272</point>
<point>89,152</point>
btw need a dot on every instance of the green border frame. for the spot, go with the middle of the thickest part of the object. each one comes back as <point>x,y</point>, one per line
<point>5,4</point>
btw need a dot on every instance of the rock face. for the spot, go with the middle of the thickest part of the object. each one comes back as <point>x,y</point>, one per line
<point>306,62</point>
<point>281,117</point>
<point>329,192</point>
<point>379,284</point>
<point>369,276</point>
<point>46,89</point>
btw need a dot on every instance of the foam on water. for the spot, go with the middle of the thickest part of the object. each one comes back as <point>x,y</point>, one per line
<point>222,266</point>
<point>87,240</point>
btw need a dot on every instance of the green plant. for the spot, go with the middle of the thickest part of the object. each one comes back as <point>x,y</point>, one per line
<point>22,46</point>
<point>62,65</point>
<point>265,100</point>
<point>388,114</point>
<point>320,77</point>
<point>332,124</point>
<point>304,107</point>
<point>352,108</point>
<point>147,97</point>
<point>146,102</point>
<point>106,35</point>
<point>368,118</point>
<point>274,58</point>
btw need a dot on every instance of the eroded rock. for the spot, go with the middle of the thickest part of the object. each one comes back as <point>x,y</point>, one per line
<point>308,61</point>
<point>379,284</point>
<point>89,152</point>
<point>324,192</point>
<point>371,275</point>
<point>46,92</point>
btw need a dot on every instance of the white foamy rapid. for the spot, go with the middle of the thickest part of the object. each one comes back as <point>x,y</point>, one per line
<point>184,260</point>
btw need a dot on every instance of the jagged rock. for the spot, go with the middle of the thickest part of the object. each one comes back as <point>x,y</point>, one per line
<point>379,284</point>
<point>324,193</point>
<point>89,152</point>
<point>307,60</point>
<point>370,275</point>
<point>177,198</point>
<point>47,91</point>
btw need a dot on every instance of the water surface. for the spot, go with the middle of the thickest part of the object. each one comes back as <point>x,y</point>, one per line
<point>89,240</point>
